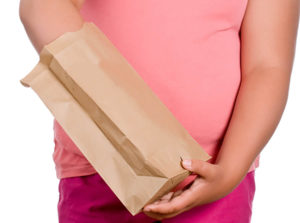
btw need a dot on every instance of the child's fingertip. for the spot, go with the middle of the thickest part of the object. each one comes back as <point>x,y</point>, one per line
<point>187,164</point>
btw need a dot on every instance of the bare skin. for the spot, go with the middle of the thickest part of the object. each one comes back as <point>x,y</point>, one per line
<point>46,20</point>
<point>268,38</point>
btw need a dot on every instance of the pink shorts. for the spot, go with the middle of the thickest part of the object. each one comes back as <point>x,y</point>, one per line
<point>88,199</point>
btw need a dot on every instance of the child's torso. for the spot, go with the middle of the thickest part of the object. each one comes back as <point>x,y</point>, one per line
<point>188,52</point>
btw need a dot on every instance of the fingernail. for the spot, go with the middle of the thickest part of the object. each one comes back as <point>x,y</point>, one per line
<point>187,164</point>
<point>147,208</point>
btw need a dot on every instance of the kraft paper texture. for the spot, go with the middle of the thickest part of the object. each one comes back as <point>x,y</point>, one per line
<point>119,124</point>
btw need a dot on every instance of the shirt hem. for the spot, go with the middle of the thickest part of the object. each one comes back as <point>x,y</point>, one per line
<point>82,171</point>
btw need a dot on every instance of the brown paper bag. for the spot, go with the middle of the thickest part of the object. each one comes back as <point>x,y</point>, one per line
<point>122,128</point>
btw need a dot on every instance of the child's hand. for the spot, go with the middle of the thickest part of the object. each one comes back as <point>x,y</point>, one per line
<point>212,183</point>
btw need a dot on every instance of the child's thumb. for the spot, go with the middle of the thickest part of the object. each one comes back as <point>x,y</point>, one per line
<point>199,167</point>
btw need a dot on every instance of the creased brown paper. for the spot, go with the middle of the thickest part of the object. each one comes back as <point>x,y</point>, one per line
<point>122,128</point>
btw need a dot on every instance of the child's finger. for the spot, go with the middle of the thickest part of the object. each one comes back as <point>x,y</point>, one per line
<point>174,205</point>
<point>167,196</point>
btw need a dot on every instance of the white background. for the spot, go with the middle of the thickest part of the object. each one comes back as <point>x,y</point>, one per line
<point>29,187</point>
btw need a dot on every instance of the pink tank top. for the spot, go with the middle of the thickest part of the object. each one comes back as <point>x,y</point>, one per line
<point>188,52</point>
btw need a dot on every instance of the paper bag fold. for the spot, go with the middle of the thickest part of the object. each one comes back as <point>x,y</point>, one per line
<point>114,118</point>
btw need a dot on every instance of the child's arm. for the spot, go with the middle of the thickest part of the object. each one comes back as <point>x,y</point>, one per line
<point>46,20</point>
<point>268,37</point>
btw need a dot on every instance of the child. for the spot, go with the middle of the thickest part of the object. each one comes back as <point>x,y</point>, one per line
<point>221,67</point>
